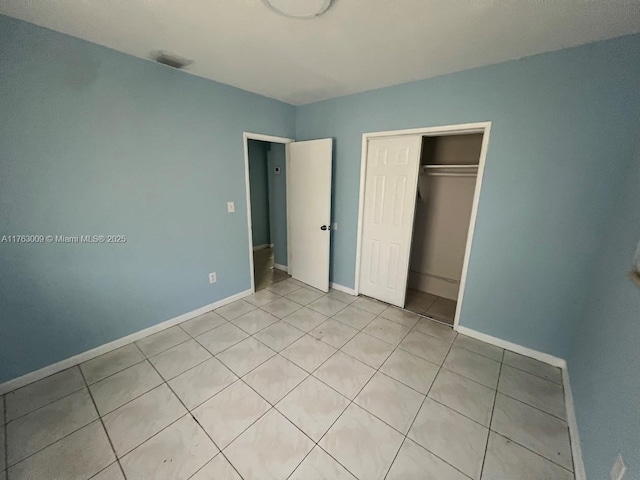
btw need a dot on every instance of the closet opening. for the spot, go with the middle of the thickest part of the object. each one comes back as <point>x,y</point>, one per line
<point>419,194</point>
<point>446,186</point>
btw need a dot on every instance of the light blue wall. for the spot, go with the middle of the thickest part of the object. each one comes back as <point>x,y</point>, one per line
<point>93,141</point>
<point>259,182</point>
<point>96,142</point>
<point>278,202</point>
<point>604,365</point>
<point>562,129</point>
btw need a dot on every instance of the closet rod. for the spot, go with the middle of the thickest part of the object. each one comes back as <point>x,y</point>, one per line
<point>452,174</point>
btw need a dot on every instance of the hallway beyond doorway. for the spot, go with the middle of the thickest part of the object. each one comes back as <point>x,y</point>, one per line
<point>263,269</point>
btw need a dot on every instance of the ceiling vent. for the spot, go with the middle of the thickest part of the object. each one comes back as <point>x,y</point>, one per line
<point>170,60</point>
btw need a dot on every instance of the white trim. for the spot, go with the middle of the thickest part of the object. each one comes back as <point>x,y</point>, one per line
<point>287,182</point>
<point>284,268</point>
<point>107,347</point>
<point>576,449</point>
<point>472,222</point>
<point>456,129</point>
<point>267,138</point>
<point>363,174</point>
<point>246,136</point>
<point>342,288</point>
<point>514,347</point>
<point>263,246</point>
<point>462,129</point>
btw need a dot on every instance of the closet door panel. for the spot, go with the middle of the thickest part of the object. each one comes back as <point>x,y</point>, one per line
<point>390,191</point>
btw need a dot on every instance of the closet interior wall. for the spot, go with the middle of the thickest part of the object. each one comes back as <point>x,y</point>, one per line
<point>443,212</point>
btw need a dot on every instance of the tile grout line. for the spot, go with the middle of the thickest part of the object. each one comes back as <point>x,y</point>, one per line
<point>352,401</point>
<point>497,391</point>
<point>441,366</point>
<point>56,441</point>
<point>406,436</point>
<point>532,406</point>
<point>241,379</point>
<point>493,408</point>
<point>534,453</point>
<point>378,370</point>
<point>146,358</point>
<point>460,413</point>
<point>524,446</point>
<point>534,374</point>
<point>50,444</point>
<point>42,406</point>
<point>134,398</point>
<point>104,428</point>
<point>273,406</point>
<point>189,413</point>
<point>512,440</point>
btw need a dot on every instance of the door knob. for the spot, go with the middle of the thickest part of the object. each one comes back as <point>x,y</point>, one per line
<point>325,227</point>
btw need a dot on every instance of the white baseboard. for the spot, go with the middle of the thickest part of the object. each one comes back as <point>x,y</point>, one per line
<point>442,287</point>
<point>342,288</point>
<point>514,347</point>
<point>277,266</point>
<point>576,449</point>
<point>263,246</point>
<point>107,347</point>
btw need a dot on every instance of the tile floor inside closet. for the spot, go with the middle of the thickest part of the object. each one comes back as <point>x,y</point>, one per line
<point>426,304</point>
<point>293,383</point>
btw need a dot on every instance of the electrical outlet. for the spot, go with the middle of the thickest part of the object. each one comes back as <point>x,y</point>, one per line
<point>231,207</point>
<point>212,277</point>
<point>618,469</point>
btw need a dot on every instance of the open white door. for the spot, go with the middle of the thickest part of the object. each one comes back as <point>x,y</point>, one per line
<point>309,210</point>
<point>389,205</point>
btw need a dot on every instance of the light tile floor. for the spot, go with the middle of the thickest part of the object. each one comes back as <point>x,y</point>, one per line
<point>263,271</point>
<point>422,303</point>
<point>271,387</point>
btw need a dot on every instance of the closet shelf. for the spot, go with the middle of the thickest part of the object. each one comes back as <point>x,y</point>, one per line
<point>437,166</point>
<point>441,170</point>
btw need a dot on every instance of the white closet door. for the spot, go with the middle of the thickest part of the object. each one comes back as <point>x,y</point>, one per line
<point>309,207</point>
<point>391,182</point>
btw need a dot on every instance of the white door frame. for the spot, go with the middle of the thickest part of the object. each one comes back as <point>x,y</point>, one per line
<point>467,128</point>
<point>246,136</point>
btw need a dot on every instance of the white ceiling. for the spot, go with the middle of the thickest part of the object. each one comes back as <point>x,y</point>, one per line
<point>356,45</point>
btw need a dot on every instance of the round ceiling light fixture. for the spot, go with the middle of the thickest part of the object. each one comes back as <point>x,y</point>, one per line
<point>299,8</point>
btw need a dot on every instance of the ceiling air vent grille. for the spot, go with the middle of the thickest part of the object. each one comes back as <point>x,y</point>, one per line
<point>171,60</point>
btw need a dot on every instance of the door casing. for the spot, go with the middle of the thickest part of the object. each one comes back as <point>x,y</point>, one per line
<point>461,129</point>
<point>246,136</point>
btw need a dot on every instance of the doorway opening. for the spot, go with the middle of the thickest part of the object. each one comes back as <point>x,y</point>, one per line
<point>419,196</point>
<point>446,185</point>
<point>288,191</point>
<point>266,166</point>
<point>267,181</point>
